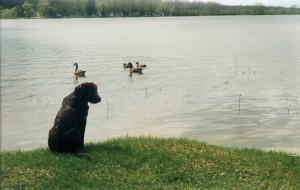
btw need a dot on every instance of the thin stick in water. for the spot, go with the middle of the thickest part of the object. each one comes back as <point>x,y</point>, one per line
<point>235,64</point>
<point>107,108</point>
<point>146,92</point>
<point>240,104</point>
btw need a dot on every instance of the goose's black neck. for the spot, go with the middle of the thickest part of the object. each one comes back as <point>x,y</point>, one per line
<point>76,66</point>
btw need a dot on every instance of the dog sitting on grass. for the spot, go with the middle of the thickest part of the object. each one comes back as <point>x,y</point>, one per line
<point>67,133</point>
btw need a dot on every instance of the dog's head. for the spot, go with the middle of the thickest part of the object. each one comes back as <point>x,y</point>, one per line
<point>88,91</point>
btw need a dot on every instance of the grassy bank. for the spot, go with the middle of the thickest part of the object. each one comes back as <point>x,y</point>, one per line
<point>151,163</point>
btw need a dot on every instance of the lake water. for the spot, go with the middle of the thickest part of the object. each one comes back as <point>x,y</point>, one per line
<point>232,80</point>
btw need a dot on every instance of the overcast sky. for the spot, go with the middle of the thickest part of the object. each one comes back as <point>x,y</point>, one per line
<point>283,3</point>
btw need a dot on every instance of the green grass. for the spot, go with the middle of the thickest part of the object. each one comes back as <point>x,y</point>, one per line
<point>151,163</point>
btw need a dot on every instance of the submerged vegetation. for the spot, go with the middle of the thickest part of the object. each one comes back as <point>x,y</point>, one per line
<point>151,163</point>
<point>110,8</point>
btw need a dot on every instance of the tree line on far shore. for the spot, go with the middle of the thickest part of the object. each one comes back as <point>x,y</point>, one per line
<point>127,8</point>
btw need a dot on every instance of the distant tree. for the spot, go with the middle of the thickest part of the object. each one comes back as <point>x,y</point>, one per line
<point>294,9</point>
<point>15,12</point>
<point>28,9</point>
<point>79,8</point>
<point>9,13</point>
<point>8,4</point>
<point>43,8</point>
<point>258,9</point>
<point>160,8</point>
<point>102,7</point>
<point>91,7</point>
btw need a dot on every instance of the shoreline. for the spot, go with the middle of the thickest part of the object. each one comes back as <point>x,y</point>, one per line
<point>151,163</point>
<point>292,151</point>
<point>106,17</point>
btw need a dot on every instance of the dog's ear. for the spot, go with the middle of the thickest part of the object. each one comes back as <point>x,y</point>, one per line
<point>79,90</point>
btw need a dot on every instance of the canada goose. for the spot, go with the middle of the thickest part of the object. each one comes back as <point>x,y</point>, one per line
<point>138,65</point>
<point>127,66</point>
<point>78,72</point>
<point>135,70</point>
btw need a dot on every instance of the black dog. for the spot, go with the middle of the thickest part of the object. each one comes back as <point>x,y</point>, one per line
<point>67,134</point>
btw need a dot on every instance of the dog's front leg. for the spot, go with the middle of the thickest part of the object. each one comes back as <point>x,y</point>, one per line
<point>82,124</point>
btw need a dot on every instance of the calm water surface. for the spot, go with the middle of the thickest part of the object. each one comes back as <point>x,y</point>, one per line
<point>230,80</point>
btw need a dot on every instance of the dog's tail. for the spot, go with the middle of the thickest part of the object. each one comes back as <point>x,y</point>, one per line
<point>84,155</point>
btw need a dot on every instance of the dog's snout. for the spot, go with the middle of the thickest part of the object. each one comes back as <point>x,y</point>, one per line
<point>96,99</point>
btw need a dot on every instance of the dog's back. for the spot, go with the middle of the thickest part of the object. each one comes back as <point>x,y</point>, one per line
<point>69,126</point>
<point>67,133</point>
